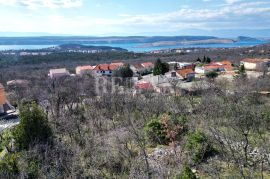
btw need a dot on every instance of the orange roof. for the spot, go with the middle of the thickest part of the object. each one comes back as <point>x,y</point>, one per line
<point>185,72</point>
<point>148,65</point>
<point>255,60</point>
<point>227,65</point>
<point>107,67</point>
<point>226,62</point>
<point>85,67</point>
<point>103,67</point>
<point>113,66</point>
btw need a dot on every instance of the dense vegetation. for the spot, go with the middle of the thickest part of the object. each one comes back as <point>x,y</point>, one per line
<point>72,128</point>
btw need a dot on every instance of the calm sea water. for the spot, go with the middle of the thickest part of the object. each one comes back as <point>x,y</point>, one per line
<point>136,47</point>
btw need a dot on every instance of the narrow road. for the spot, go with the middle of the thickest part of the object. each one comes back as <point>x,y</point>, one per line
<point>5,124</point>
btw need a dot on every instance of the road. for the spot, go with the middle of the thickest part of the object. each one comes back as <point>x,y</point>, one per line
<point>5,124</point>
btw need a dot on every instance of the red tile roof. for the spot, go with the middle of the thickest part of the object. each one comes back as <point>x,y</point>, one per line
<point>148,65</point>
<point>185,72</point>
<point>227,65</point>
<point>108,67</point>
<point>102,67</point>
<point>114,66</point>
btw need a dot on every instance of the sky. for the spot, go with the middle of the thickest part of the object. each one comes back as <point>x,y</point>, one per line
<point>136,17</point>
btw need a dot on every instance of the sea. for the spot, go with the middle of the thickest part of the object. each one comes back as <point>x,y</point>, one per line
<point>138,47</point>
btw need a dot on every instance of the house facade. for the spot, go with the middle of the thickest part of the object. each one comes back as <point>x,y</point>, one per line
<point>57,73</point>
<point>255,63</point>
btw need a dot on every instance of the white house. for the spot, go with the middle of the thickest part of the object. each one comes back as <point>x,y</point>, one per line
<point>107,69</point>
<point>57,73</point>
<point>200,70</point>
<point>255,64</point>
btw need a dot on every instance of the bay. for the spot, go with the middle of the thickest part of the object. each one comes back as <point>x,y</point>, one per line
<point>138,47</point>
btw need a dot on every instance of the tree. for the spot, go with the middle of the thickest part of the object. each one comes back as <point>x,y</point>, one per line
<point>208,60</point>
<point>123,72</point>
<point>204,59</point>
<point>199,60</point>
<point>33,127</point>
<point>161,68</point>
<point>242,70</point>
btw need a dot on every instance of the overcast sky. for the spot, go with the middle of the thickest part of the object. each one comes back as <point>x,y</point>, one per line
<point>136,17</point>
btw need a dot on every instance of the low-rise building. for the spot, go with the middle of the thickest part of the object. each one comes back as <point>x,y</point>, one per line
<point>223,66</point>
<point>83,70</point>
<point>106,69</point>
<point>5,107</point>
<point>142,68</point>
<point>57,73</point>
<point>255,63</point>
<point>186,74</point>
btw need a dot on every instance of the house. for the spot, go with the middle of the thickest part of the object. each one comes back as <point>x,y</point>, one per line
<point>83,70</point>
<point>57,73</point>
<point>186,74</point>
<point>107,69</point>
<point>223,66</point>
<point>255,63</point>
<point>142,68</point>
<point>5,107</point>
<point>148,65</point>
<point>181,65</point>
<point>200,70</point>
<point>143,85</point>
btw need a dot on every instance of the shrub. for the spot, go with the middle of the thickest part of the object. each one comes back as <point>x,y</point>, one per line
<point>199,146</point>
<point>33,127</point>
<point>212,75</point>
<point>155,132</point>
<point>186,174</point>
<point>9,167</point>
<point>165,129</point>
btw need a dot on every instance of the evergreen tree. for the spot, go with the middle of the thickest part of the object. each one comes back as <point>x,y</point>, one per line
<point>208,60</point>
<point>33,127</point>
<point>242,69</point>
<point>204,59</point>
<point>160,68</point>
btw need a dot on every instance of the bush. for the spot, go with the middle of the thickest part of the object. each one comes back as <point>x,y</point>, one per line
<point>198,146</point>
<point>212,75</point>
<point>33,127</point>
<point>9,166</point>
<point>165,129</point>
<point>186,174</point>
<point>155,132</point>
